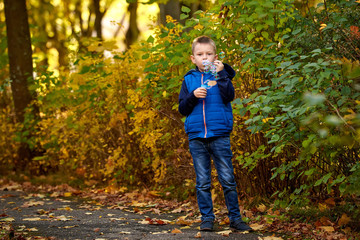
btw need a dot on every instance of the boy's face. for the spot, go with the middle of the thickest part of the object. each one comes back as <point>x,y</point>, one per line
<point>203,51</point>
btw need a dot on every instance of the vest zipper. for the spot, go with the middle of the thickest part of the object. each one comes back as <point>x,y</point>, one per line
<point>202,82</point>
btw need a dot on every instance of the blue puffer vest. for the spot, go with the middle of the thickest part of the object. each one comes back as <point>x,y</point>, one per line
<point>210,117</point>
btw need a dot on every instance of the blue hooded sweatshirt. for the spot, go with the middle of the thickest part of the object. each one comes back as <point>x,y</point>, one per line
<point>212,116</point>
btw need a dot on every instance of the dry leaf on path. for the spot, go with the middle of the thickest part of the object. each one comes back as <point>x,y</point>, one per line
<point>198,235</point>
<point>225,233</point>
<point>257,226</point>
<point>176,231</point>
<point>32,203</point>
<point>270,238</point>
<point>261,208</point>
<point>32,219</point>
<point>8,219</point>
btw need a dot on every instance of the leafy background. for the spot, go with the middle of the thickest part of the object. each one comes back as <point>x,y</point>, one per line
<point>111,119</point>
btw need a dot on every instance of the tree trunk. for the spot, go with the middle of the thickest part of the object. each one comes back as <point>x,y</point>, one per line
<point>171,8</point>
<point>132,33</point>
<point>98,18</point>
<point>21,68</point>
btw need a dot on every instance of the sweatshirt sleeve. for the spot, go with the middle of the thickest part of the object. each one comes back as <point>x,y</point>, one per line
<point>187,101</point>
<point>226,87</point>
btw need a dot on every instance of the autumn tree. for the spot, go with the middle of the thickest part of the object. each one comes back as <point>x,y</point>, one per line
<point>173,8</point>
<point>21,68</point>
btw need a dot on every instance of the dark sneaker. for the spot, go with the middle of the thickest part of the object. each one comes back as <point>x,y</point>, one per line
<point>240,226</point>
<point>207,225</point>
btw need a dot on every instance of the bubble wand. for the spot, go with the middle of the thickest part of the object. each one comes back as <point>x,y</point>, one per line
<point>210,67</point>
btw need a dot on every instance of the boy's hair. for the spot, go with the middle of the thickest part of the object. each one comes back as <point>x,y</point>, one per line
<point>203,39</point>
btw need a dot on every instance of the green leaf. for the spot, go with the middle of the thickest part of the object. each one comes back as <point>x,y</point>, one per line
<point>183,16</point>
<point>185,9</point>
<point>250,36</point>
<point>346,91</point>
<point>265,35</point>
<point>310,171</point>
<point>150,39</point>
<point>296,31</point>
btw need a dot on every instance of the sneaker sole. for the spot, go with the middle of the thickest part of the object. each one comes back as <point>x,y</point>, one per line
<point>236,230</point>
<point>207,229</point>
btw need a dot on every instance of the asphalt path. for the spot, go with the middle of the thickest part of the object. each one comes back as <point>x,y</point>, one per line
<point>73,218</point>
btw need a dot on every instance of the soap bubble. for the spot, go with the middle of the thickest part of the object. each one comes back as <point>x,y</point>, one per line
<point>221,55</point>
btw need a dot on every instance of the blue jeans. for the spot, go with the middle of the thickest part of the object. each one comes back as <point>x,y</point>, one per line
<point>217,148</point>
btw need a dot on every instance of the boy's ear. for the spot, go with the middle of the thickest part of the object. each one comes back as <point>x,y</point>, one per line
<point>192,59</point>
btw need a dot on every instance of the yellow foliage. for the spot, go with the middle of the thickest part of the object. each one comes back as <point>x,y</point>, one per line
<point>8,146</point>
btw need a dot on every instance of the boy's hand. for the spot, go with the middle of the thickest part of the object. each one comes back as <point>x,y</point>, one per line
<point>219,65</point>
<point>200,92</point>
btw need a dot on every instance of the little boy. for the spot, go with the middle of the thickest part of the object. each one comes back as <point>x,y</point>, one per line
<point>208,124</point>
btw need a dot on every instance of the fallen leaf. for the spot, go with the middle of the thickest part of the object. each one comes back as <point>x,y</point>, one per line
<point>261,208</point>
<point>8,219</point>
<point>67,227</point>
<point>344,220</point>
<point>176,231</point>
<point>327,228</point>
<point>226,221</point>
<point>248,214</point>
<point>198,235</point>
<point>257,227</point>
<point>157,211</point>
<point>178,210</point>
<point>154,193</point>
<point>325,221</point>
<point>322,207</point>
<point>63,218</point>
<point>224,233</point>
<point>67,194</point>
<point>32,219</point>
<point>186,227</point>
<point>330,202</point>
<point>271,238</point>
<point>183,222</point>
<point>32,229</point>
<point>32,203</point>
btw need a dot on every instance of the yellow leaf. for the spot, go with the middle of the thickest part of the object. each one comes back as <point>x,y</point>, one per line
<point>32,229</point>
<point>164,93</point>
<point>256,226</point>
<point>9,219</point>
<point>32,219</point>
<point>225,233</point>
<point>261,208</point>
<point>271,238</point>
<point>186,227</point>
<point>322,207</point>
<point>67,194</point>
<point>327,228</point>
